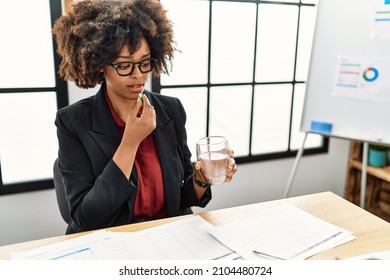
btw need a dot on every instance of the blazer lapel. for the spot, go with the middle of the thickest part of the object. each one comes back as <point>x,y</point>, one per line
<point>166,146</point>
<point>104,130</point>
<point>164,134</point>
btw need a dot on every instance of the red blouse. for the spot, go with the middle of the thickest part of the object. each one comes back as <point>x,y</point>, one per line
<point>150,200</point>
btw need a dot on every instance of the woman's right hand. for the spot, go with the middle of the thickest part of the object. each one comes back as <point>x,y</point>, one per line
<point>140,122</point>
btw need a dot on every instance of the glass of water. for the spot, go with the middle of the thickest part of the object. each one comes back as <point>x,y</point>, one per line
<point>213,154</point>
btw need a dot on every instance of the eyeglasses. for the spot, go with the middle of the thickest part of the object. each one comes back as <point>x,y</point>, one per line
<point>126,68</point>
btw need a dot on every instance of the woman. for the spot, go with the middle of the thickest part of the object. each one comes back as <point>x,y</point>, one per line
<point>123,152</point>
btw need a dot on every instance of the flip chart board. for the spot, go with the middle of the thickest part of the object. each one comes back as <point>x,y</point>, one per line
<point>348,86</point>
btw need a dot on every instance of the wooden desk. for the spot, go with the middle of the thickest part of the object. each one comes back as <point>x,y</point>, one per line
<point>372,233</point>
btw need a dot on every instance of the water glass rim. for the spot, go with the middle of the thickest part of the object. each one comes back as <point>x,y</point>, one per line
<point>206,140</point>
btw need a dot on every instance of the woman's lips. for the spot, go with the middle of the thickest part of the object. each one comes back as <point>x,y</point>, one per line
<point>136,88</point>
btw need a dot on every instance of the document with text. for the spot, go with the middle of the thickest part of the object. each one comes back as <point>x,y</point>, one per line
<point>283,232</point>
<point>185,239</point>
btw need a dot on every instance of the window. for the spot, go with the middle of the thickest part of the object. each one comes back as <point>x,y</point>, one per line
<point>241,71</point>
<point>30,94</point>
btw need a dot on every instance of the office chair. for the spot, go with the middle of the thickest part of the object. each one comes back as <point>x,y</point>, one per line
<point>60,193</point>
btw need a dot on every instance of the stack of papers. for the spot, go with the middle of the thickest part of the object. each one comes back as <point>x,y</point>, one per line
<point>283,232</point>
<point>186,239</point>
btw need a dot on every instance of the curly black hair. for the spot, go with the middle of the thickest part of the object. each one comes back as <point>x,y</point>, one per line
<point>93,32</point>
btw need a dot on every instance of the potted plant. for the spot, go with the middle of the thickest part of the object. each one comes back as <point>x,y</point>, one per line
<point>377,155</point>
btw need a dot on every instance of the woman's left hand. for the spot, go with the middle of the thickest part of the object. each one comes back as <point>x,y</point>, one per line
<point>232,167</point>
<point>230,170</point>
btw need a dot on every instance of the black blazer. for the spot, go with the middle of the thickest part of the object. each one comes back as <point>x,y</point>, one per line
<point>99,194</point>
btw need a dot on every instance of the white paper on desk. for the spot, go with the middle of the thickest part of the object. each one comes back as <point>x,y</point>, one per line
<point>284,231</point>
<point>78,248</point>
<point>185,239</point>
